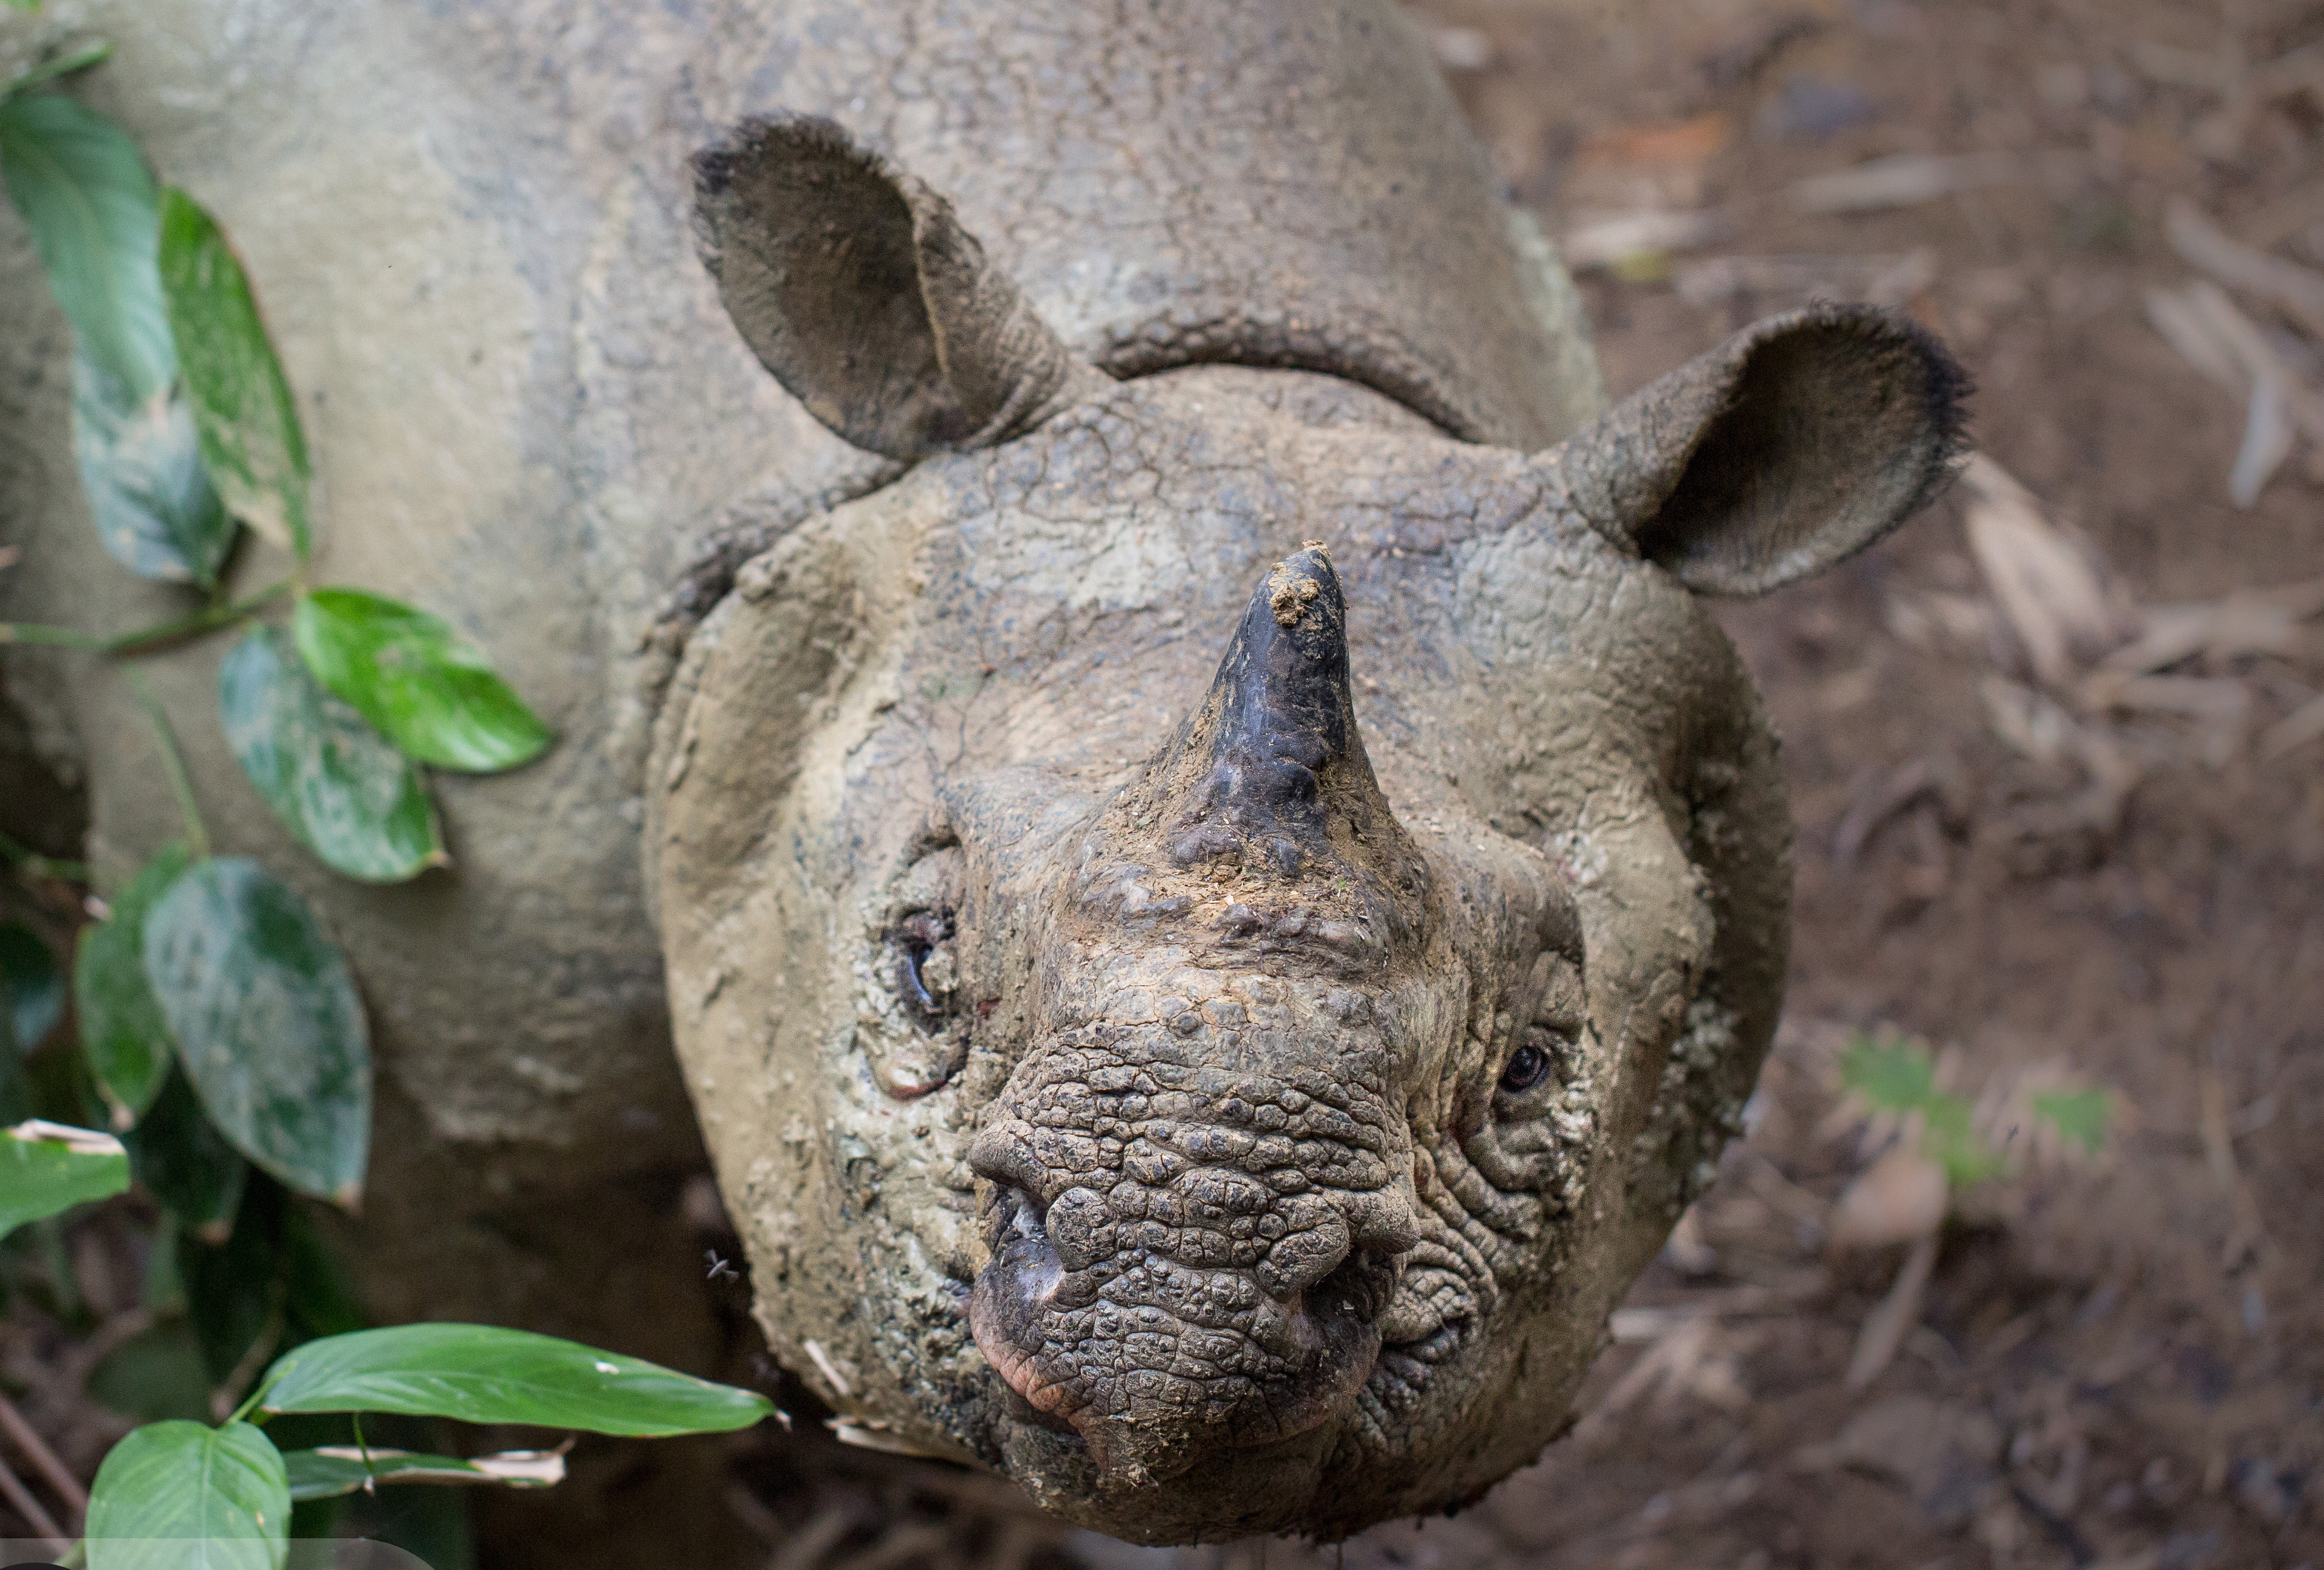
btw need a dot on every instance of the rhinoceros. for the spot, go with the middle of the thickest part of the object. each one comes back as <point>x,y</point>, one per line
<point>1126,709</point>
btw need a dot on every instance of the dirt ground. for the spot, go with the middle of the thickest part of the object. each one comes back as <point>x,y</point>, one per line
<point>2063,824</point>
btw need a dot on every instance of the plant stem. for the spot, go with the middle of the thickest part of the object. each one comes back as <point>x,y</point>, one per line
<point>251,1369</point>
<point>41,866</point>
<point>63,63</point>
<point>173,763</point>
<point>208,618</point>
<point>33,632</point>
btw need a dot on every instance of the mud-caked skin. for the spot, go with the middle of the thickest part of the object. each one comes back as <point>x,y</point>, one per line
<point>1120,694</point>
<point>1212,935</point>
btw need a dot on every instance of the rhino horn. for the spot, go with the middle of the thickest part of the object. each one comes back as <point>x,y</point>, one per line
<point>1271,764</point>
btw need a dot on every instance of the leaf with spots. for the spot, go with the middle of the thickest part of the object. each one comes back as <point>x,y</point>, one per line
<point>247,421</point>
<point>335,783</point>
<point>47,1168</point>
<point>268,1025</point>
<point>430,691</point>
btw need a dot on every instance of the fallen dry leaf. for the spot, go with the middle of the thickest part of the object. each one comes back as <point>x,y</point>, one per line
<point>2056,603</point>
<point>2248,621</point>
<point>1610,239</point>
<point>2227,347</point>
<point>1885,1327</point>
<point>2297,291</point>
<point>1908,179</point>
<point>2294,730</point>
<point>2266,443</point>
<point>2206,697</point>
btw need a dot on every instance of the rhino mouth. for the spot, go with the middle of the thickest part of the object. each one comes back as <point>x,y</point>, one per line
<point>1152,1355</point>
<point>1329,1332</point>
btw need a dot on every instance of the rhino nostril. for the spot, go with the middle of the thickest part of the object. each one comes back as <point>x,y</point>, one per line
<point>1016,1228</point>
<point>1360,1287</point>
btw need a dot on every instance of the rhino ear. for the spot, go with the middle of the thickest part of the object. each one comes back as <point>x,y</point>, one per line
<point>1788,448</point>
<point>858,288</point>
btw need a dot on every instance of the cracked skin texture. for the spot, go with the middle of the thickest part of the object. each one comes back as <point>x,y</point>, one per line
<point>1199,1196</point>
<point>534,417</point>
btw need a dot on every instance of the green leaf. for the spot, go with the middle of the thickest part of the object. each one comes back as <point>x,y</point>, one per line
<point>481,1374</point>
<point>428,690</point>
<point>337,1469</point>
<point>122,1032</point>
<point>31,983</point>
<point>89,202</point>
<point>181,1496</point>
<point>186,1164</point>
<point>48,1168</point>
<point>1891,1074</point>
<point>1949,1139</point>
<point>334,781</point>
<point>2079,1117</point>
<point>140,465</point>
<point>155,1375</point>
<point>267,1023</point>
<point>242,408</point>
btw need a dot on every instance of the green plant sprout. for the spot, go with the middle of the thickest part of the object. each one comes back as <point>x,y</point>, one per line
<point>1893,1075</point>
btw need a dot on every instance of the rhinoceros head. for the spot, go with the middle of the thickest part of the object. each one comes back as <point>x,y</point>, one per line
<point>1228,1092</point>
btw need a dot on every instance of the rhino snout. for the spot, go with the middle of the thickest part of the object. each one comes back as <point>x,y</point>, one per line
<point>1192,1308</point>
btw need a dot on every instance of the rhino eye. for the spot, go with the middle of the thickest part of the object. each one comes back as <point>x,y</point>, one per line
<point>925,975</point>
<point>1528,1066</point>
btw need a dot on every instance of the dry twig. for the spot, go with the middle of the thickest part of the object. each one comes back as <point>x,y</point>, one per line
<point>1885,1327</point>
<point>36,1450</point>
<point>20,1499</point>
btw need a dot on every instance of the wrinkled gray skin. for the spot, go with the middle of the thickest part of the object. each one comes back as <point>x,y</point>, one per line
<point>1206,1024</point>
